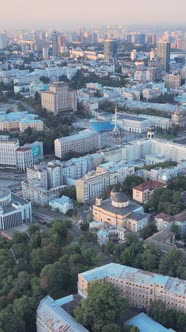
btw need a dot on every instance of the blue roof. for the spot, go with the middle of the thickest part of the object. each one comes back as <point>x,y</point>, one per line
<point>137,276</point>
<point>147,324</point>
<point>100,126</point>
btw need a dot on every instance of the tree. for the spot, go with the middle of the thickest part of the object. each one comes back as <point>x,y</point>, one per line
<point>102,307</point>
<point>44,79</point>
<point>131,255</point>
<point>157,311</point>
<point>130,182</point>
<point>150,259</point>
<point>172,263</point>
<point>113,327</point>
<point>149,230</point>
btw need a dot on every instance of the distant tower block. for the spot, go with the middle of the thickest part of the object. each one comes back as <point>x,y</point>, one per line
<point>150,132</point>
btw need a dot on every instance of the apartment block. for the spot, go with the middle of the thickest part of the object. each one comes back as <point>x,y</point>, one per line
<point>32,191</point>
<point>172,81</point>
<point>139,287</point>
<point>84,142</point>
<point>8,149</point>
<point>92,185</point>
<point>118,171</point>
<point>59,98</point>
<point>140,148</point>
<point>142,192</point>
<point>24,158</point>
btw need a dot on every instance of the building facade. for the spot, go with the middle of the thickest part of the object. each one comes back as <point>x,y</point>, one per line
<point>59,98</point>
<point>52,317</point>
<point>119,212</point>
<point>163,53</point>
<point>110,49</point>
<point>24,158</point>
<point>139,287</point>
<point>14,210</point>
<point>8,149</point>
<point>82,143</point>
<point>142,192</point>
<point>92,185</point>
<point>33,192</point>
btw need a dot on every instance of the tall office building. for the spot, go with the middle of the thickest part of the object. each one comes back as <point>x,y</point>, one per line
<point>55,43</point>
<point>59,98</point>
<point>163,53</point>
<point>110,49</point>
<point>3,40</point>
<point>45,53</point>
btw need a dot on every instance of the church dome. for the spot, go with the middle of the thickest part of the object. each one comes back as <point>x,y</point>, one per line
<point>120,200</point>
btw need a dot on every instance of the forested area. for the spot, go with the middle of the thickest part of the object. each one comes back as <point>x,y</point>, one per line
<point>36,264</point>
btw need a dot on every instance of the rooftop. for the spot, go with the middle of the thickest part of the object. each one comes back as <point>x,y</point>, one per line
<point>123,211</point>
<point>137,216</point>
<point>82,135</point>
<point>56,318</point>
<point>145,323</point>
<point>180,217</point>
<point>4,192</point>
<point>137,276</point>
<point>148,185</point>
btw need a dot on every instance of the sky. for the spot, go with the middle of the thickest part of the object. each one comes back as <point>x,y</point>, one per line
<point>22,13</point>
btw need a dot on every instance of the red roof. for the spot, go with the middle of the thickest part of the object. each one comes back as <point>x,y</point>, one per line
<point>148,185</point>
<point>23,149</point>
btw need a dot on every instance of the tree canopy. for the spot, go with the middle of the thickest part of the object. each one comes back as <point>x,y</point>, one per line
<point>102,307</point>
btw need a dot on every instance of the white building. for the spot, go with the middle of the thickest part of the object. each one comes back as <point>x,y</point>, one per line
<point>12,155</point>
<point>118,171</point>
<point>137,150</point>
<point>8,149</point>
<point>63,204</point>
<point>14,210</point>
<point>84,142</point>
<point>132,123</point>
<point>24,158</point>
<point>33,192</point>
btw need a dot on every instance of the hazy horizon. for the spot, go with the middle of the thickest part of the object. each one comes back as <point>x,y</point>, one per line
<point>24,13</point>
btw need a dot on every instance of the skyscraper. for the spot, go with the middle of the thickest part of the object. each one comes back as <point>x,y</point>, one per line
<point>54,43</point>
<point>110,49</point>
<point>163,53</point>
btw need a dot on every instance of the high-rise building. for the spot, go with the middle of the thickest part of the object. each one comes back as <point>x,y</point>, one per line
<point>55,43</point>
<point>59,99</point>
<point>163,53</point>
<point>45,53</point>
<point>3,40</point>
<point>110,49</point>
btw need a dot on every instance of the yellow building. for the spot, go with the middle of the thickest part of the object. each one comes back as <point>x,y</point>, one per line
<point>139,287</point>
<point>59,98</point>
<point>118,211</point>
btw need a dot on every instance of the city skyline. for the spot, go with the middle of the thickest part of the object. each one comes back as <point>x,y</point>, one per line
<point>41,12</point>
